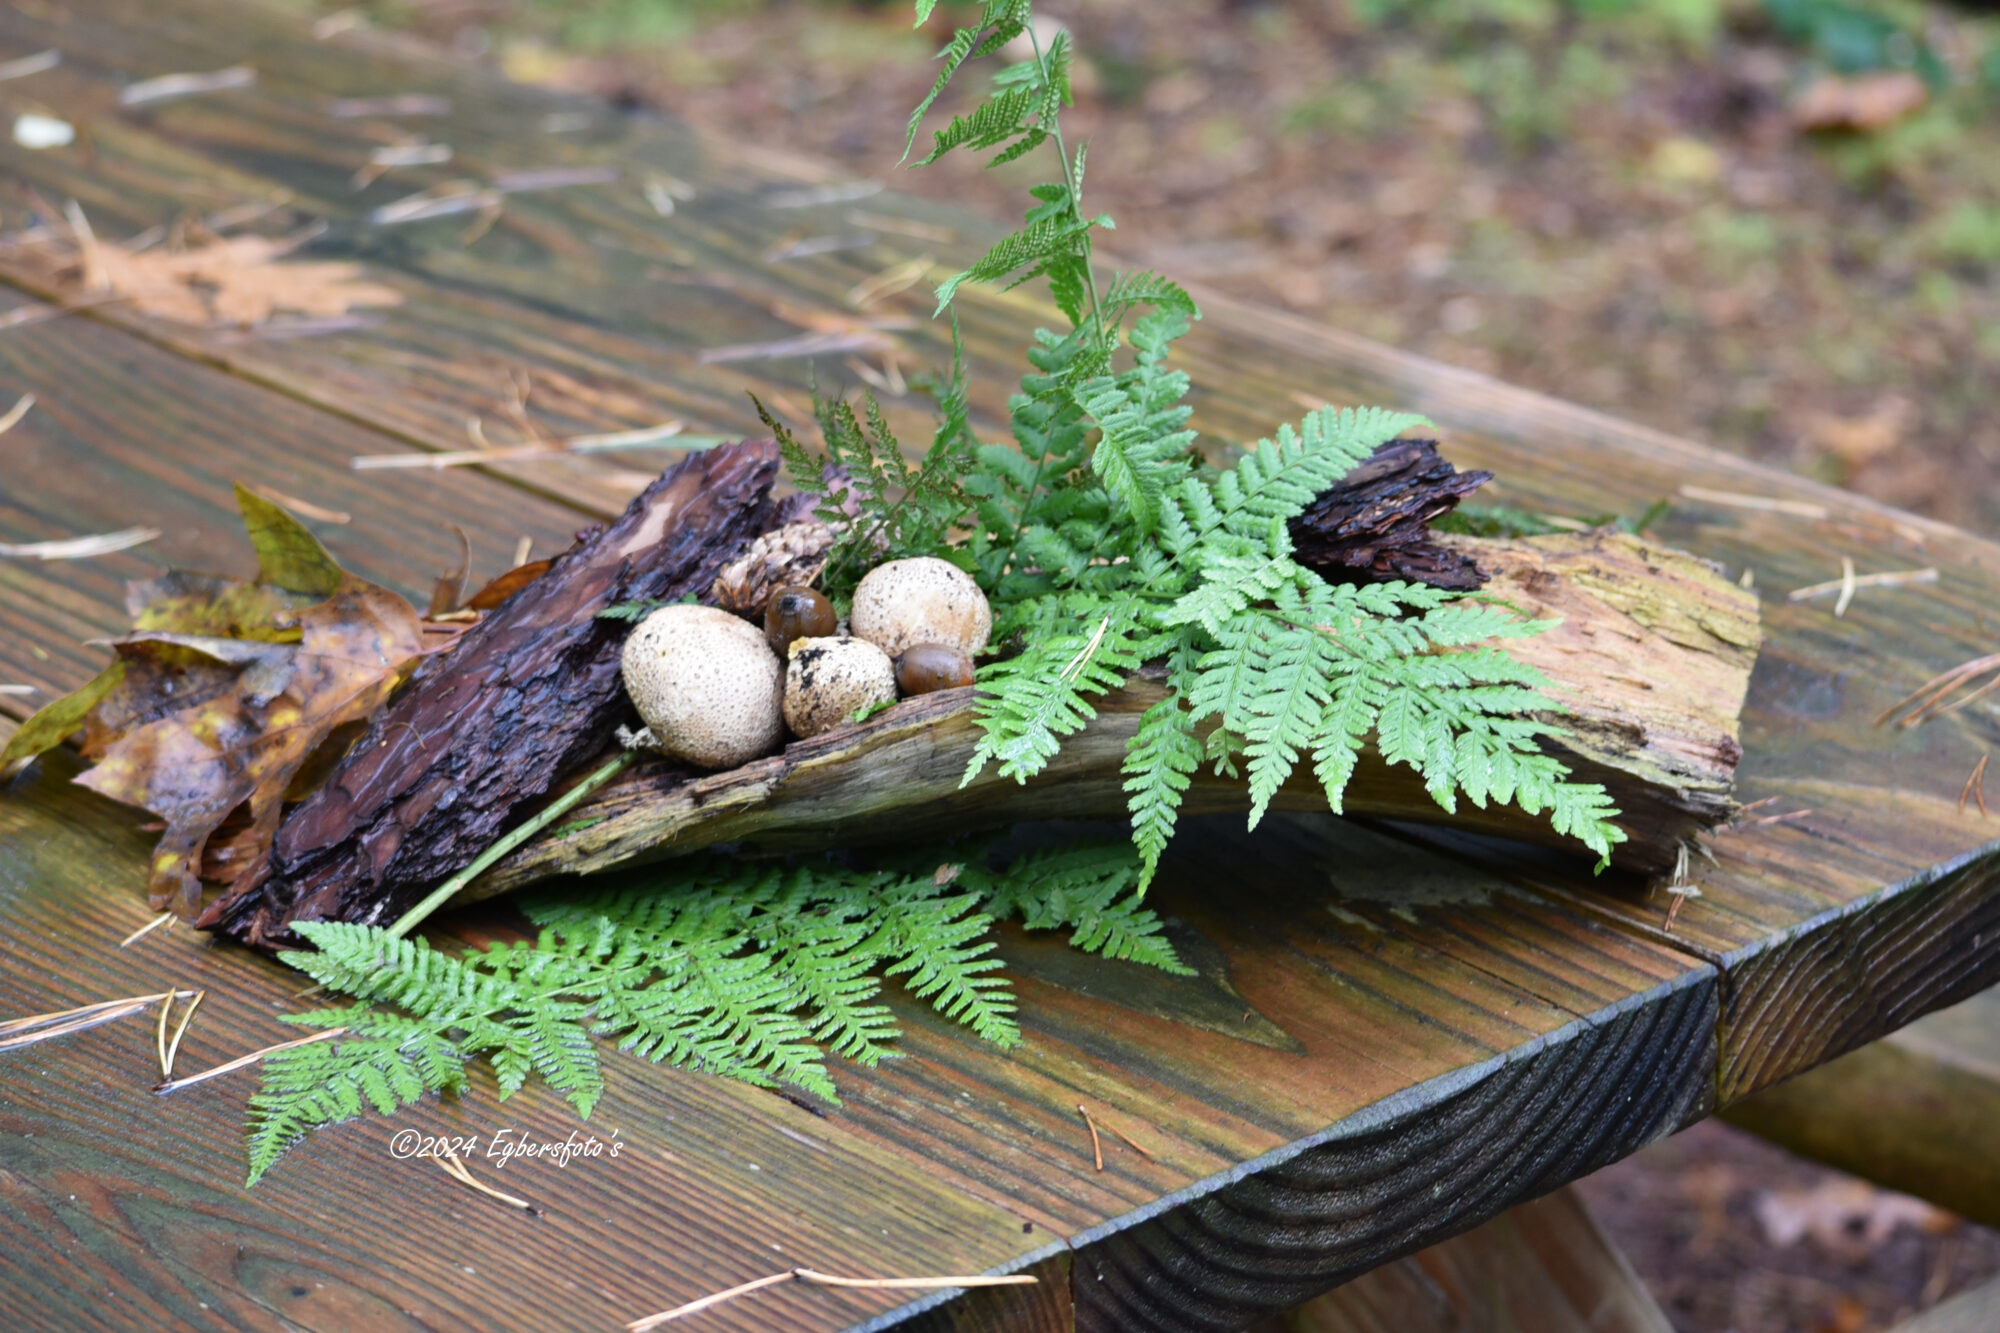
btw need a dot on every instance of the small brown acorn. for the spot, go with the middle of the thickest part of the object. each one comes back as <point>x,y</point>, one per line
<point>797,613</point>
<point>925,667</point>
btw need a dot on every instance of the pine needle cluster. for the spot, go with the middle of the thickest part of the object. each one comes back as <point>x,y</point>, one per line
<point>756,972</point>
<point>1105,542</point>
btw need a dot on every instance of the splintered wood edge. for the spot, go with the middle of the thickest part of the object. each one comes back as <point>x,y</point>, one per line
<point>1664,642</point>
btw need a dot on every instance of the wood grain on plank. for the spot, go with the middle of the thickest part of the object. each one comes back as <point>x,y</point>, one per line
<point>1544,1265</point>
<point>1917,1111</point>
<point>1327,1008</point>
<point>141,1196</point>
<point>124,435</point>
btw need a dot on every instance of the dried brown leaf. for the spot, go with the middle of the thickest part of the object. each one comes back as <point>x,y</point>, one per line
<point>240,280</point>
<point>226,699</point>
<point>1859,101</point>
<point>243,745</point>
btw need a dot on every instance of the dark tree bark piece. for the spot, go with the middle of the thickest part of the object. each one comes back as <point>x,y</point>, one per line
<point>484,731</point>
<point>1375,525</point>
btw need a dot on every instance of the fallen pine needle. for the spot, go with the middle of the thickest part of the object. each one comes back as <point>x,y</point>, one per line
<point>1129,1141</point>
<point>1096,1145</point>
<point>160,1038</point>
<point>26,65</point>
<point>437,202</point>
<point>1681,893</point>
<point>817,1279</point>
<point>1975,786</point>
<point>457,1170</point>
<point>1082,658</point>
<point>1766,503</point>
<point>1779,819</point>
<point>180,1030</point>
<point>1899,578</point>
<point>807,246</point>
<point>16,412</point>
<point>1846,587</point>
<point>553,178</point>
<point>80,548</point>
<point>1929,700</point>
<point>147,929</point>
<point>396,104</point>
<point>667,434</point>
<point>185,85</point>
<point>35,314</point>
<point>41,1027</point>
<point>410,155</point>
<point>231,1066</point>
<point>304,508</point>
<point>812,196</point>
<point>1681,887</point>
<point>889,282</point>
<point>916,231</point>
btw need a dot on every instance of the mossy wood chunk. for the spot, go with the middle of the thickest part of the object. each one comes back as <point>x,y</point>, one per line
<point>1652,657</point>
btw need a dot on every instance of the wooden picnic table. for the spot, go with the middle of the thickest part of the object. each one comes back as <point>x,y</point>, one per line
<point>1392,1035</point>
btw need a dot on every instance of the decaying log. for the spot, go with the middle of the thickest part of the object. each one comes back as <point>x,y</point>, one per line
<point>1375,525</point>
<point>1664,643</point>
<point>527,695</point>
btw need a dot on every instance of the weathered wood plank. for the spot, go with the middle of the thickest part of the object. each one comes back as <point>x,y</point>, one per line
<point>122,1192</point>
<point>1544,1265</point>
<point>1917,1111</point>
<point>1302,1019</point>
<point>573,287</point>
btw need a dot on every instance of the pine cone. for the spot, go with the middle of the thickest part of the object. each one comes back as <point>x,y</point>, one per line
<point>791,556</point>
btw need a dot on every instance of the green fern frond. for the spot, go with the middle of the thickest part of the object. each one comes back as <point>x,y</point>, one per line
<point>384,1063</point>
<point>1159,765</point>
<point>943,950</point>
<point>1000,22</point>
<point>1092,889</point>
<point>1028,703</point>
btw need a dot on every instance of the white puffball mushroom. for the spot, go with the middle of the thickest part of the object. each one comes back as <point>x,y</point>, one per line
<point>902,603</point>
<point>708,685</point>
<point>828,679</point>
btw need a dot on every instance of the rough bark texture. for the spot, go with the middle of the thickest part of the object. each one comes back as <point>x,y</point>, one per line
<point>1375,525</point>
<point>1661,644</point>
<point>526,696</point>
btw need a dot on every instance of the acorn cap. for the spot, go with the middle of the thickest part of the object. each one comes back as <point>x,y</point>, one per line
<point>828,679</point>
<point>903,603</point>
<point>707,684</point>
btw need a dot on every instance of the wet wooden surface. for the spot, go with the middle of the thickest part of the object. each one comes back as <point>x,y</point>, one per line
<point>1393,1037</point>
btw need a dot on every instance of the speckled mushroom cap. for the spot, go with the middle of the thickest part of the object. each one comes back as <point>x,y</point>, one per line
<point>827,679</point>
<point>707,684</point>
<point>902,603</point>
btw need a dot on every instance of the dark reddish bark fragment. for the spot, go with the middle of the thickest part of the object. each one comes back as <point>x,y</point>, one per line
<point>1375,525</point>
<point>480,734</point>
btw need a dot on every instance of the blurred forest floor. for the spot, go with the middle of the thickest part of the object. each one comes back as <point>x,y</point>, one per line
<point>1613,201</point>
